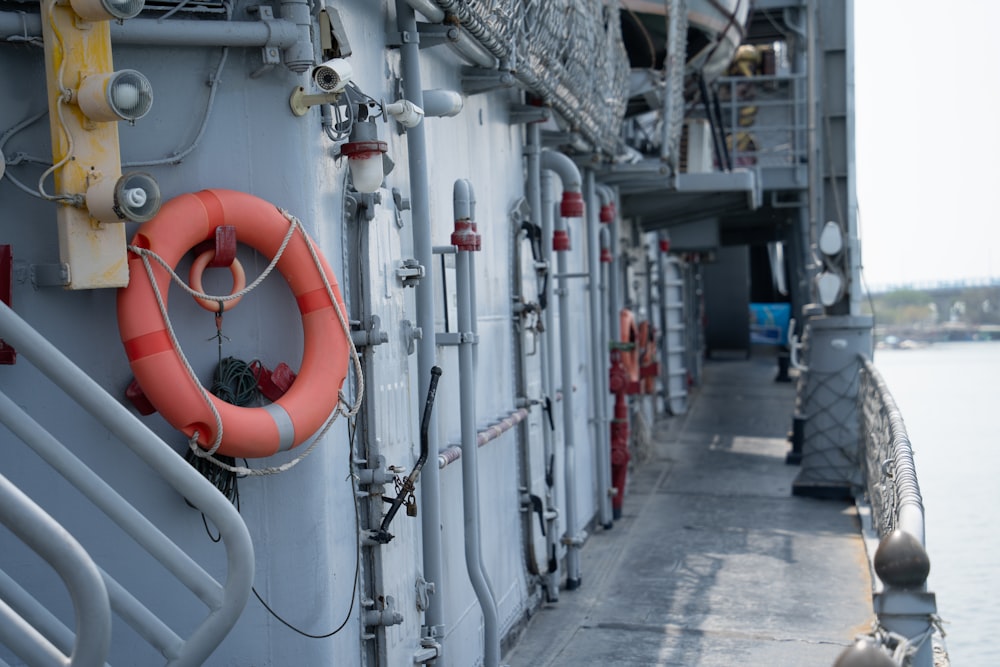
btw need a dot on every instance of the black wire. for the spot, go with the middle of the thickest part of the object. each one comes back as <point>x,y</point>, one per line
<point>352,427</point>
<point>235,383</point>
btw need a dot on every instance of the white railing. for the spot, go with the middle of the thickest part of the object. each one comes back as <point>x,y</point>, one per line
<point>225,601</point>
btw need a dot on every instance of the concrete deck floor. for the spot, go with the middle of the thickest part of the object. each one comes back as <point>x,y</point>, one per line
<point>714,562</point>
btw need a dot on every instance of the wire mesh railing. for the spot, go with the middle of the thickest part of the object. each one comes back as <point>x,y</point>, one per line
<point>568,52</point>
<point>890,474</point>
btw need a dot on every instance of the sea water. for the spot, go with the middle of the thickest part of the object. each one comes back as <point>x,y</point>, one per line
<point>949,395</point>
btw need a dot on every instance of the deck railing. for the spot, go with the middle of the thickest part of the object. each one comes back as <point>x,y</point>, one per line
<point>907,613</point>
<point>48,641</point>
<point>890,474</point>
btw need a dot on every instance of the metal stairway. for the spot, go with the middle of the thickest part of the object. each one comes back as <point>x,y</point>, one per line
<point>27,628</point>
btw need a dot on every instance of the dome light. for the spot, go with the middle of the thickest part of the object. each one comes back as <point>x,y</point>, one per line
<point>122,95</point>
<point>107,10</point>
<point>364,157</point>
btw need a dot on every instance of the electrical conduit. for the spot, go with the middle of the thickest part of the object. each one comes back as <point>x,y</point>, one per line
<point>466,241</point>
<point>571,206</point>
<point>430,493</point>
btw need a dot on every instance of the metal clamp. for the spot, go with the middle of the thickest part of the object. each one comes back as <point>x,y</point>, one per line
<point>410,273</point>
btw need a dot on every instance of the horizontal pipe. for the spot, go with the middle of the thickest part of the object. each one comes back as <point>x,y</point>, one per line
<point>453,453</point>
<point>431,11</point>
<point>275,33</point>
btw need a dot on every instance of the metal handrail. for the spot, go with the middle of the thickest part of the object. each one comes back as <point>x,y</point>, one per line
<point>46,537</point>
<point>762,116</point>
<point>890,474</point>
<point>225,601</point>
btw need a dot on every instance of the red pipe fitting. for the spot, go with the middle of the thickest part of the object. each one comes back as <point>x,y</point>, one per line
<point>560,240</point>
<point>465,237</point>
<point>608,213</point>
<point>664,245</point>
<point>571,205</point>
<point>606,255</point>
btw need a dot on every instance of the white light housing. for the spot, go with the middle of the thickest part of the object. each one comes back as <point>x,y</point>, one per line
<point>364,156</point>
<point>123,95</point>
<point>405,112</point>
<point>831,239</point>
<point>333,75</point>
<point>135,197</point>
<point>829,287</point>
<point>442,103</point>
<point>107,10</point>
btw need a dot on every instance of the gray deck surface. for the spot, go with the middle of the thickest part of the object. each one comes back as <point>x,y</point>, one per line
<point>714,562</point>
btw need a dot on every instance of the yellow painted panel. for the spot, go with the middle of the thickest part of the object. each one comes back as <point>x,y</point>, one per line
<point>94,251</point>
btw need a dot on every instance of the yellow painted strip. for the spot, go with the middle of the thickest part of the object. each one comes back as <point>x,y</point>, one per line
<point>94,251</point>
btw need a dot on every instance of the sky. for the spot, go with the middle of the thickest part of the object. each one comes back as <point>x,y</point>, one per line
<point>927,108</point>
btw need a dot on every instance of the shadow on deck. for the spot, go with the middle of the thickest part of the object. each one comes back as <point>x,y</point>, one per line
<point>714,562</point>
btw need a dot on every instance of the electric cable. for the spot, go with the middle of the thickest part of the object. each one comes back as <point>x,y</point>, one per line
<point>352,427</point>
<point>235,382</point>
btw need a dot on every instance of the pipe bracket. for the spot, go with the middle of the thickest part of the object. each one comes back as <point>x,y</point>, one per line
<point>477,80</point>
<point>410,272</point>
<point>370,336</point>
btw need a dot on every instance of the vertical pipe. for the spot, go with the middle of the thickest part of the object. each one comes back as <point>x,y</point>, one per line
<point>571,206</point>
<point>470,446</point>
<point>598,362</point>
<point>605,240</point>
<point>569,438</point>
<point>614,273</point>
<point>409,53</point>
<point>532,152</point>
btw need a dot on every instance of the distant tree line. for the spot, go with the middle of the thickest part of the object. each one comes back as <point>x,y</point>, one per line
<point>912,307</point>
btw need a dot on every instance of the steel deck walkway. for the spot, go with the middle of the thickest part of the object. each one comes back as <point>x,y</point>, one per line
<point>714,562</point>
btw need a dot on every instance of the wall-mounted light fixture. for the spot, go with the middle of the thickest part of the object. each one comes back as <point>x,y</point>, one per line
<point>113,96</point>
<point>87,98</point>
<point>364,154</point>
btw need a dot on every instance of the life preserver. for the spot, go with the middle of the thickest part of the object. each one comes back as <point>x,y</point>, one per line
<point>181,224</point>
<point>629,334</point>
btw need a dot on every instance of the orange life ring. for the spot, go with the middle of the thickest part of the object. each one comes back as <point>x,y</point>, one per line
<point>629,334</point>
<point>181,224</point>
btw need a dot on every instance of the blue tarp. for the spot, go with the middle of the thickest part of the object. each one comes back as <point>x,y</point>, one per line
<point>769,323</point>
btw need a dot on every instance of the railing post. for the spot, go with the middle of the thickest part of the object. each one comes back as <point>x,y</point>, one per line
<point>830,451</point>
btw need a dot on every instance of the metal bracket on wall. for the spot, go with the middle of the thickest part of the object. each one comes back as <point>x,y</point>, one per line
<point>411,335</point>
<point>410,272</point>
<point>371,335</point>
<point>434,34</point>
<point>526,113</point>
<point>402,204</point>
<point>270,55</point>
<point>50,275</point>
<point>477,80</point>
<point>358,204</point>
<point>386,616</point>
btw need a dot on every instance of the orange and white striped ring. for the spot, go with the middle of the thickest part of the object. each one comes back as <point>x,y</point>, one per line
<point>160,369</point>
